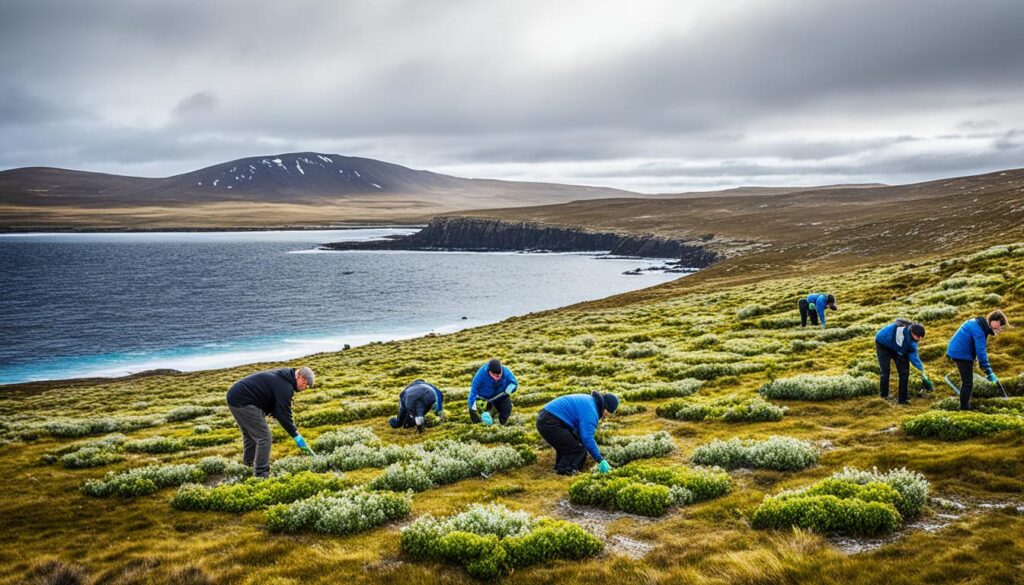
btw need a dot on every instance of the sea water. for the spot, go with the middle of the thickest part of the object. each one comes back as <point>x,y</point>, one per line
<point>112,304</point>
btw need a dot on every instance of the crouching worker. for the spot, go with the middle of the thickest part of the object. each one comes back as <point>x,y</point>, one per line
<point>413,404</point>
<point>494,383</point>
<point>897,343</point>
<point>568,424</point>
<point>814,307</point>
<point>258,395</point>
<point>969,343</point>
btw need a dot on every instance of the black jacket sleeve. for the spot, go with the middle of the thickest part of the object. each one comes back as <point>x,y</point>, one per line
<point>283,410</point>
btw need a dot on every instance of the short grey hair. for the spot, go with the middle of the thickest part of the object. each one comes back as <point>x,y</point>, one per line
<point>307,374</point>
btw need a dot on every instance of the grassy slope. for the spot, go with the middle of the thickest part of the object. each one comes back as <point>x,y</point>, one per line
<point>144,540</point>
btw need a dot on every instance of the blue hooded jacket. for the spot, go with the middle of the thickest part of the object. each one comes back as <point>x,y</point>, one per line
<point>579,411</point>
<point>969,341</point>
<point>887,337</point>
<point>419,396</point>
<point>820,301</point>
<point>486,387</point>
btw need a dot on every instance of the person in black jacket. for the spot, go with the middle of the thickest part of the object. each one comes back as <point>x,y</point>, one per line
<point>413,404</point>
<point>258,395</point>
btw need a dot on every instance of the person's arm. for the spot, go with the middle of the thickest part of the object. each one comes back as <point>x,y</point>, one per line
<point>474,389</point>
<point>513,384</point>
<point>821,310</point>
<point>283,411</point>
<point>587,430</point>
<point>915,360</point>
<point>402,412</point>
<point>980,351</point>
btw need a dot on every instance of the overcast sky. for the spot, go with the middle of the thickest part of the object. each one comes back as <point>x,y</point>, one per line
<point>646,95</point>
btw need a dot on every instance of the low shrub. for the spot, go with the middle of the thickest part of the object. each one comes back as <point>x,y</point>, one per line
<point>635,351</point>
<point>255,493</point>
<point>231,470</point>
<point>445,462</point>
<point>188,412</point>
<point>811,387</point>
<point>331,440</point>
<point>934,312</point>
<point>707,371</point>
<point>620,450</point>
<point>649,491</point>
<point>490,540</point>
<point>750,347</point>
<point>1012,405</point>
<point>83,427</point>
<point>345,458</point>
<point>628,409</point>
<point>347,512</point>
<point>656,390</point>
<point>142,481</point>
<point>779,453</point>
<point>90,457</point>
<point>729,409</point>
<point>802,345</point>
<point>704,341</point>
<point>353,413</point>
<point>851,501</point>
<point>497,434</point>
<point>155,445</point>
<point>960,425</point>
<point>751,311</point>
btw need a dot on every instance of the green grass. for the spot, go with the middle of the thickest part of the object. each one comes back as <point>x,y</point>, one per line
<point>681,342</point>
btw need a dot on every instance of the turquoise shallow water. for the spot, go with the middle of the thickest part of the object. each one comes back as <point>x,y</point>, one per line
<point>78,305</point>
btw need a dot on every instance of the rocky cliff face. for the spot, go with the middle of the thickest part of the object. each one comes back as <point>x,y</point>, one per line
<point>476,234</point>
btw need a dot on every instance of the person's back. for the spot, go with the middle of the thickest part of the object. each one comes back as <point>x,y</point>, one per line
<point>271,391</point>
<point>968,343</point>
<point>575,410</point>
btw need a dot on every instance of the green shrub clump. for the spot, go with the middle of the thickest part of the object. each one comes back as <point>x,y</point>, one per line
<point>155,445</point>
<point>496,434</point>
<point>347,512</point>
<point>345,458</point>
<point>91,453</point>
<point>1012,405</point>
<point>728,409</point>
<point>779,453</point>
<point>649,491</point>
<point>852,501</point>
<point>331,440</point>
<point>188,412</point>
<point>255,493</point>
<point>490,540</point>
<point>707,371</point>
<point>959,425</point>
<point>338,416</point>
<point>810,387</point>
<point>445,462</point>
<point>620,450</point>
<point>656,390</point>
<point>142,481</point>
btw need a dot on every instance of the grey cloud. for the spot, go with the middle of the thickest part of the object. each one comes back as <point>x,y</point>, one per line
<point>203,101</point>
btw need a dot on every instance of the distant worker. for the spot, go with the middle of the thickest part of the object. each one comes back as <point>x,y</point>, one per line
<point>969,343</point>
<point>494,383</point>
<point>897,343</point>
<point>568,424</point>
<point>413,404</point>
<point>814,307</point>
<point>258,395</point>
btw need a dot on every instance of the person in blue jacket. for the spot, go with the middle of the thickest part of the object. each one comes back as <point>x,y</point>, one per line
<point>568,424</point>
<point>814,306</point>
<point>969,343</point>
<point>495,384</point>
<point>413,404</point>
<point>897,343</point>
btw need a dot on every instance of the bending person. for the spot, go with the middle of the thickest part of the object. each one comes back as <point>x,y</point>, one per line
<point>258,395</point>
<point>494,383</point>
<point>413,404</point>
<point>814,306</point>
<point>897,343</point>
<point>970,343</point>
<point>568,424</point>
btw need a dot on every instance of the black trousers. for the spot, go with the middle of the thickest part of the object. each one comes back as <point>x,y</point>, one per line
<point>886,357</point>
<point>807,312</point>
<point>966,369</point>
<point>405,417</point>
<point>501,406</point>
<point>569,452</point>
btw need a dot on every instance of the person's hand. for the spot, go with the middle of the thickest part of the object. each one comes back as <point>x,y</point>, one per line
<point>441,416</point>
<point>486,418</point>
<point>419,429</point>
<point>511,388</point>
<point>992,378</point>
<point>927,382</point>
<point>603,467</point>
<point>302,445</point>
<point>474,415</point>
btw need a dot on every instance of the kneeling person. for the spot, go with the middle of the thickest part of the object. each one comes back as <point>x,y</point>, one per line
<point>413,404</point>
<point>258,395</point>
<point>568,424</point>
<point>494,383</point>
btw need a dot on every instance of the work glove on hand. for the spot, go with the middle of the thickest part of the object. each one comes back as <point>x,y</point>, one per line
<point>419,428</point>
<point>302,445</point>
<point>474,415</point>
<point>441,416</point>
<point>511,388</point>
<point>486,418</point>
<point>992,378</point>
<point>603,467</point>
<point>927,382</point>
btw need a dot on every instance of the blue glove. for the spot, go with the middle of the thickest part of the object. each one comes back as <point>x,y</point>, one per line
<point>486,418</point>
<point>992,378</point>
<point>511,388</point>
<point>301,444</point>
<point>604,467</point>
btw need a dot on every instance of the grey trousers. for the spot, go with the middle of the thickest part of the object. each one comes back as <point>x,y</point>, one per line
<point>256,439</point>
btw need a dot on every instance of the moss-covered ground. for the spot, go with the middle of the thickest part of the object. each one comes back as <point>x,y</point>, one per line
<point>693,327</point>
